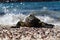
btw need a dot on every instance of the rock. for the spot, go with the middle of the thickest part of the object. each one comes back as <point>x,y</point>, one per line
<point>20,23</point>
<point>32,21</point>
<point>17,25</point>
<point>49,25</point>
<point>58,35</point>
<point>45,25</point>
<point>42,24</point>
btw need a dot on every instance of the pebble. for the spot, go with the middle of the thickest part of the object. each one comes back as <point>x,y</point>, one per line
<point>28,33</point>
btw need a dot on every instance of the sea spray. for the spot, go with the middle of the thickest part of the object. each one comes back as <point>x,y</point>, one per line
<point>10,19</point>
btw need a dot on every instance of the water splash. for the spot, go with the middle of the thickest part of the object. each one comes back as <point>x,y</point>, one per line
<point>11,19</point>
<point>45,15</point>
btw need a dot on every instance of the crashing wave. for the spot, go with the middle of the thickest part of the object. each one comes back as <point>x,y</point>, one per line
<point>45,15</point>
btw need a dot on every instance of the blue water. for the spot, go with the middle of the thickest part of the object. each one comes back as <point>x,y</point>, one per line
<point>32,5</point>
<point>50,9</point>
<point>26,7</point>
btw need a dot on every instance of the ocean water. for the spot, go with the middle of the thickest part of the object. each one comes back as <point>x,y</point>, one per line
<point>48,12</point>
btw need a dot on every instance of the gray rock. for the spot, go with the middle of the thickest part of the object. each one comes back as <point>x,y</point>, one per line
<point>32,21</point>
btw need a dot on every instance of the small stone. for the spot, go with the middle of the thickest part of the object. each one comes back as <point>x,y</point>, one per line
<point>58,35</point>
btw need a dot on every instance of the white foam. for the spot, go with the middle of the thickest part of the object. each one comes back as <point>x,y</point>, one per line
<point>11,19</point>
<point>49,20</point>
<point>44,9</point>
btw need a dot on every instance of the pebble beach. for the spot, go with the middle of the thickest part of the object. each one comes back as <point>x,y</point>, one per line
<point>29,33</point>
